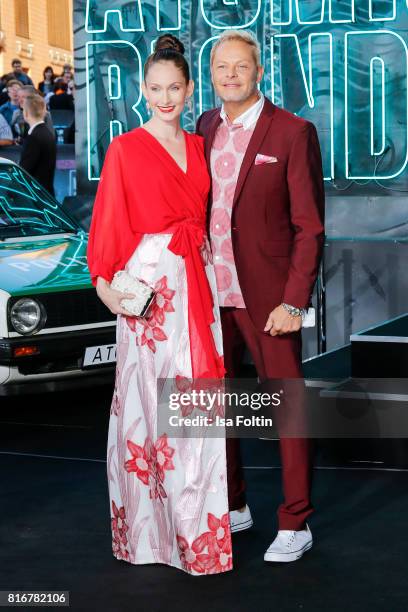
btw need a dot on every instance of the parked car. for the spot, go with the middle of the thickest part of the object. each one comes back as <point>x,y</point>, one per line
<point>53,327</point>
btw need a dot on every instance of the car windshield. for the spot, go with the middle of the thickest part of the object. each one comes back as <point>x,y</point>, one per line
<point>26,208</point>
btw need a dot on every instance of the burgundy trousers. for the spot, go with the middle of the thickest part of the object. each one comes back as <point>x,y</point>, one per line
<point>274,357</point>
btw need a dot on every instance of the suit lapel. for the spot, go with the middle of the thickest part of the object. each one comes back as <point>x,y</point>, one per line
<point>254,145</point>
<point>209,139</point>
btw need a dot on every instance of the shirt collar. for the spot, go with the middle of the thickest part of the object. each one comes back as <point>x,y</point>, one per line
<point>249,117</point>
<point>34,126</point>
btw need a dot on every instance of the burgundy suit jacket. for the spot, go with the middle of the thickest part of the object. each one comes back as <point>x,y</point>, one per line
<point>277,222</point>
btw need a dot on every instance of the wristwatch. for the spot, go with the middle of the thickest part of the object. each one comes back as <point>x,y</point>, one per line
<point>294,311</point>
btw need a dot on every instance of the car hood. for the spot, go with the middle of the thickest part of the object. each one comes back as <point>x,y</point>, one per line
<point>43,265</point>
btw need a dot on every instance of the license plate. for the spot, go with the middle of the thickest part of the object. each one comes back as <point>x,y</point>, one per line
<point>98,355</point>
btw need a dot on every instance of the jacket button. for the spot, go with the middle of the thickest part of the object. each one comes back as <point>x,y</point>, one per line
<point>234,228</point>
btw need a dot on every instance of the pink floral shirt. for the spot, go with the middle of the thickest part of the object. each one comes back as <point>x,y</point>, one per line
<point>228,150</point>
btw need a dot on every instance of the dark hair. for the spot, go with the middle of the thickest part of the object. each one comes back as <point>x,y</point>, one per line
<point>59,84</point>
<point>46,70</point>
<point>168,48</point>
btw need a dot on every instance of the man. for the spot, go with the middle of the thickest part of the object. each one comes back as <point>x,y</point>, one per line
<point>266,230</point>
<point>18,125</point>
<point>7,109</point>
<point>19,73</point>
<point>4,97</point>
<point>6,136</point>
<point>39,150</point>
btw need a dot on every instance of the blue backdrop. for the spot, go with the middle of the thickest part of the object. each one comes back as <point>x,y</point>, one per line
<point>340,63</point>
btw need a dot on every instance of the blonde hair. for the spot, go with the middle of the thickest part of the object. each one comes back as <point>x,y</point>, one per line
<point>35,105</point>
<point>244,36</point>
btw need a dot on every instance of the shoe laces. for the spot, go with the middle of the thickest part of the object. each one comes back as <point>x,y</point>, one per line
<point>291,539</point>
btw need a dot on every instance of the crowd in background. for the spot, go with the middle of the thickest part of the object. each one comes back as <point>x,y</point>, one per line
<point>57,91</point>
<point>36,119</point>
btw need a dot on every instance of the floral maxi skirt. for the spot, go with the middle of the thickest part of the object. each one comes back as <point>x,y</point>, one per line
<point>168,496</point>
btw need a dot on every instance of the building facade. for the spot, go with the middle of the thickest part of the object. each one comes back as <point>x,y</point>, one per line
<point>38,32</point>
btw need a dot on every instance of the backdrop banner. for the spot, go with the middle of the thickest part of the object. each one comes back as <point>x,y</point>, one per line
<point>343,65</point>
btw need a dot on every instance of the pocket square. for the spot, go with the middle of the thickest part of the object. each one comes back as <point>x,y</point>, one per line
<point>265,159</point>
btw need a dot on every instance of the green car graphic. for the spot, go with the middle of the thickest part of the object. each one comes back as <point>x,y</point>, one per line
<point>54,331</point>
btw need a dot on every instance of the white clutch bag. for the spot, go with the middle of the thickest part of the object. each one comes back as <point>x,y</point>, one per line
<point>139,306</point>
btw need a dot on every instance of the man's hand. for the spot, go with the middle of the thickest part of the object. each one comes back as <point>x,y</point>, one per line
<point>281,322</point>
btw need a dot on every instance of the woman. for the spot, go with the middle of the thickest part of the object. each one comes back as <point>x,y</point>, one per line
<point>168,496</point>
<point>47,85</point>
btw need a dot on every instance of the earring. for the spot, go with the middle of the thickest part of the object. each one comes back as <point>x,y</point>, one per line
<point>149,110</point>
<point>189,103</point>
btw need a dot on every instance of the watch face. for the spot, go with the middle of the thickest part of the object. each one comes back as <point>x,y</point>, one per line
<point>293,310</point>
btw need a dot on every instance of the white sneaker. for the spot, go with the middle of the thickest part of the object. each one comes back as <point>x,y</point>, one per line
<point>289,545</point>
<point>240,520</point>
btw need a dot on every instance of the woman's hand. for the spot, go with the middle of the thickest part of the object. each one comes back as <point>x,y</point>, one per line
<point>206,253</point>
<point>111,298</point>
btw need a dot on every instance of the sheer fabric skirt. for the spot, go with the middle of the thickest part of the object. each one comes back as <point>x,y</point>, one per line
<point>168,496</point>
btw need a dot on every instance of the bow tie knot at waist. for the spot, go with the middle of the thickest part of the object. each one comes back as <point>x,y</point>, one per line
<point>187,233</point>
<point>187,240</point>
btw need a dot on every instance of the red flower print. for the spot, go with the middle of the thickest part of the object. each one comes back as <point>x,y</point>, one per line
<point>241,140</point>
<point>216,190</point>
<point>162,455</point>
<point>223,277</point>
<point>184,385</point>
<point>226,250</point>
<point>162,304</point>
<point>229,192</point>
<point>157,491</point>
<point>150,334</point>
<point>148,331</point>
<point>210,552</point>
<point>234,299</point>
<point>219,528</point>
<point>191,557</point>
<point>221,138</point>
<point>119,531</point>
<point>150,463</point>
<point>132,323</point>
<point>160,461</point>
<point>141,460</point>
<point>220,221</point>
<point>225,165</point>
<point>219,556</point>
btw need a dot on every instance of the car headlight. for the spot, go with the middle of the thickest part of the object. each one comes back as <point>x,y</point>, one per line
<point>27,316</point>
